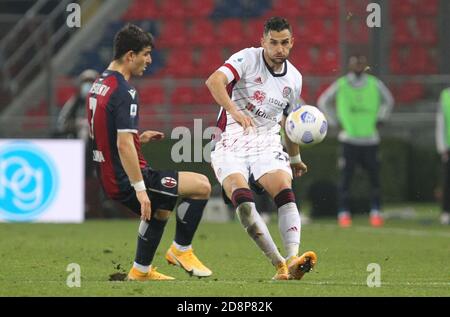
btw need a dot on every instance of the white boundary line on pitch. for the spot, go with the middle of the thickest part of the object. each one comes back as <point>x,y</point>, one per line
<point>402,231</point>
<point>237,282</point>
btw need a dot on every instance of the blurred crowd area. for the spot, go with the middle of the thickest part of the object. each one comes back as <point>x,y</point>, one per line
<point>194,37</point>
<point>42,60</point>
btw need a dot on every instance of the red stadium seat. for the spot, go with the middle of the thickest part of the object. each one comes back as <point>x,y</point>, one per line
<point>183,95</point>
<point>255,29</point>
<point>427,31</point>
<point>209,60</point>
<point>398,61</point>
<point>316,29</point>
<point>229,33</point>
<point>412,60</point>
<point>173,34</point>
<point>402,32</point>
<point>321,8</point>
<point>321,33</point>
<point>203,97</point>
<point>408,92</point>
<point>301,59</point>
<point>422,61</point>
<point>356,8</point>
<point>403,8</point>
<point>151,95</point>
<point>328,61</point>
<point>180,63</point>
<point>141,10</point>
<point>202,33</point>
<point>199,8</point>
<point>285,8</point>
<point>427,7</point>
<point>170,9</point>
<point>357,31</point>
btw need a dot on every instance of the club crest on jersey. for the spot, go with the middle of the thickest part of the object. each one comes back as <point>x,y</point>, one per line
<point>286,91</point>
<point>169,182</point>
<point>259,96</point>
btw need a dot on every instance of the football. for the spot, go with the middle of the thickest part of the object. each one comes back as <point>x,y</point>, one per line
<point>306,125</point>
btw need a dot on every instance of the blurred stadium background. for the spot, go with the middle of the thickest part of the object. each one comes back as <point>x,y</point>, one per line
<point>41,58</point>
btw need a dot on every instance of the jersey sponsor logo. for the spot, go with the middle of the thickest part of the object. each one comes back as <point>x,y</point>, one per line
<point>133,110</point>
<point>259,96</point>
<point>169,182</point>
<point>259,112</point>
<point>99,89</point>
<point>277,102</point>
<point>239,60</point>
<point>287,91</point>
<point>132,93</point>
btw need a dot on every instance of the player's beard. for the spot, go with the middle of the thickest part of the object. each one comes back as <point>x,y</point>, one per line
<point>278,61</point>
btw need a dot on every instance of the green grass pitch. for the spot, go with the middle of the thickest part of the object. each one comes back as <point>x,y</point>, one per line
<point>414,259</point>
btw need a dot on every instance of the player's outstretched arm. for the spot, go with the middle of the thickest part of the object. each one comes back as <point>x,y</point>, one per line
<point>130,162</point>
<point>298,167</point>
<point>150,135</point>
<point>216,84</point>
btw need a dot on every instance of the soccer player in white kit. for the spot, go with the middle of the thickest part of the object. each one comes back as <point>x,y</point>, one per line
<point>256,88</point>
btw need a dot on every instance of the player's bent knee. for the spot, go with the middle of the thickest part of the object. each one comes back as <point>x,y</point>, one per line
<point>203,188</point>
<point>161,214</point>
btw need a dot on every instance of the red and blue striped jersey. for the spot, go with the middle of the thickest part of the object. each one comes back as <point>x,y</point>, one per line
<point>112,106</point>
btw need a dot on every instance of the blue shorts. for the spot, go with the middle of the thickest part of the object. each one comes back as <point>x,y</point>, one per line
<point>162,189</point>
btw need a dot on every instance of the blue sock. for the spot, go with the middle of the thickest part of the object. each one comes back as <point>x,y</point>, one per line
<point>150,233</point>
<point>189,214</point>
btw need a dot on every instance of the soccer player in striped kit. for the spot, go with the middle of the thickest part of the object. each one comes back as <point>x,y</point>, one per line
<point>113,113</point>
<point>256,87</point>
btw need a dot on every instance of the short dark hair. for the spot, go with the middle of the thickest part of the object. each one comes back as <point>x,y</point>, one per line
<point>131,38</point>
<point>276,24</point>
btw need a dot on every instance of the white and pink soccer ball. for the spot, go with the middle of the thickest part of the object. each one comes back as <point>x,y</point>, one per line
<point>306,125</point>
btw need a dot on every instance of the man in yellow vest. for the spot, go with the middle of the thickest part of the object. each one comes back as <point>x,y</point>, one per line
<point>358,103</point>
<point>443,148</point>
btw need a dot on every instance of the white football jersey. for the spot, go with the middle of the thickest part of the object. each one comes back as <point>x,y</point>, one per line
<point>260,94</point>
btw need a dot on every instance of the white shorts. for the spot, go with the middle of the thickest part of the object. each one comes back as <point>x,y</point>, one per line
<point>226,163</point>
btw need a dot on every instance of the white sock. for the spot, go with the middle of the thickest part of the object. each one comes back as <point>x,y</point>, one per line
<point>142,268</point>
<point>182,248</point>
<point>258,231</point>
<point>289,223</point>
